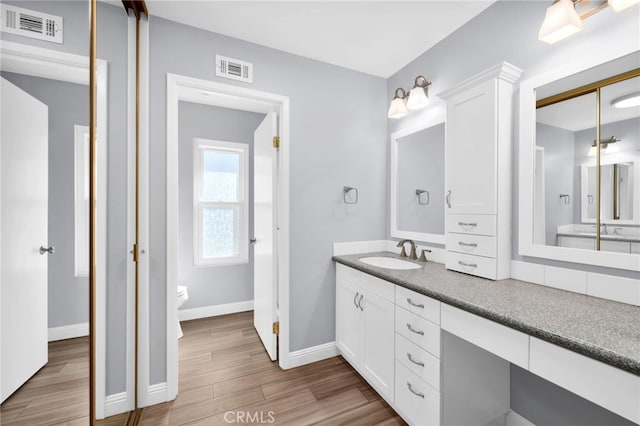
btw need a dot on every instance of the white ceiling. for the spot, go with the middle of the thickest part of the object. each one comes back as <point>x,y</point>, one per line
<point>374,37</point>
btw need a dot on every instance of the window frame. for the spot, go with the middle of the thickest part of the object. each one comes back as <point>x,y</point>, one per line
<point>200,146</point>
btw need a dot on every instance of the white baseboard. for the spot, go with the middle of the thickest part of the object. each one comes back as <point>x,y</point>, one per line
<point>68,331</point>
<point>117,403</point>
<point>215,310</point>
<point>312,354</point>
<point>515,419</point>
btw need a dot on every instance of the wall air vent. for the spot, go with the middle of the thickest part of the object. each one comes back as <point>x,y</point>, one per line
<point>234,69</point>
<point>29,23</point>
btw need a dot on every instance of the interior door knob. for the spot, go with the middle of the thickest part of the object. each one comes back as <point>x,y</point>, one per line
<point>49,250</point>
<point>252,241</point>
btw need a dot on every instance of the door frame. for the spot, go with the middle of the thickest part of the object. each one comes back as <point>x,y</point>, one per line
<point>62,66</point>
<point>189,89</point>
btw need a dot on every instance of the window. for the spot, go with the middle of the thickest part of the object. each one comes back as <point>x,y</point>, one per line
<point>81,200</point>
<point>221,188</point>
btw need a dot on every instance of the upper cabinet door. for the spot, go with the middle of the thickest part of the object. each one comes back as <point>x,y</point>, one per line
<point>471,150</point>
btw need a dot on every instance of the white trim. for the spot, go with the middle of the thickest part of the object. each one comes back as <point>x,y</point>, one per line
<point>57,65</point>
<point>527,142</point>
<point>434,120</point>
<point>81,200</point>
<point>116,403</point>
<point>177,84</point>
<point>515,419</point>
<point>242,203</point>
<point>312,354</point>
<point>214,310</point>
<point>70,331</point>
<point>155,394</point>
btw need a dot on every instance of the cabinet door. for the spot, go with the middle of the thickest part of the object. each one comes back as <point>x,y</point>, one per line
<point>471,155</point>
<point>348,321</point>
<point>378,350</point>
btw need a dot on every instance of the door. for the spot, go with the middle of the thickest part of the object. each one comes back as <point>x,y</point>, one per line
<point>378,352</point>
<point>348,320</point>
<point>23,230</point>
<point>471,172</point>
<point>265,276</point>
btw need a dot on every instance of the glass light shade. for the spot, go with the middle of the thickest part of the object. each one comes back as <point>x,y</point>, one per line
<point>612,149</point>
<point>592,151</point>
<point>627,101</point>
<point>417,98</point>
<point>619,5</point>
<point>397,108</point>
<point>560,22</point>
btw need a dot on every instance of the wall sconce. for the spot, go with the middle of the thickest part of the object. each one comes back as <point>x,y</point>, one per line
<point>605,144</point>
<point>418,97</point>
<point>562,18</point>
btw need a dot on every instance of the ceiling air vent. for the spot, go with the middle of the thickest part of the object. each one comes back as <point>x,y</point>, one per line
<point>29,23</point>
<point>234,69</point>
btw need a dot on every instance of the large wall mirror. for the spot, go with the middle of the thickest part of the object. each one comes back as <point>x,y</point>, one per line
<point>580,161</point>
<point>417,182</point>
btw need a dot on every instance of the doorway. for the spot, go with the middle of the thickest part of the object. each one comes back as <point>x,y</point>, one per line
<point>44,71</point>
<point>276,108</point>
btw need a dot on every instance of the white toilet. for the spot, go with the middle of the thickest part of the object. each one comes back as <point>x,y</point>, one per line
<point>183,296</point>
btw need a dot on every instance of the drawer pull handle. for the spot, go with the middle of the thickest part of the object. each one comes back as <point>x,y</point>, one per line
<point>468,224</point>
<point>354,299</point>
<point>468,265</point>
<point>360,302</point>
<point>421,364</point>
<point>417,305</point>
<point>413,330</point>
<point>463,244</point>
<point>421,395</point>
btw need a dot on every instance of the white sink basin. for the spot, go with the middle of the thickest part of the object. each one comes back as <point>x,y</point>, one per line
<point>389,263</point>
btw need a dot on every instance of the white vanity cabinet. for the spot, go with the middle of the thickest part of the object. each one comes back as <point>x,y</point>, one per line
<point>365,327</point>
<point>478,173</point>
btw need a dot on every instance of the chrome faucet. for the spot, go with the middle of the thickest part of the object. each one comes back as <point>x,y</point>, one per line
<point>403,253</point>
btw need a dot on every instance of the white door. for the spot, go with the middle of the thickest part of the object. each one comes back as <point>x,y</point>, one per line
<point>265,185</point>
<point>471,172</point>
<point>349,321</point>
<point>23,229</point>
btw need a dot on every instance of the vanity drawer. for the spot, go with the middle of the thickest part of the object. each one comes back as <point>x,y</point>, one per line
<point>615,246</point>
<point>480,245</point>
<point>375,285</point>
<point>472,224</point>
<point>475,265</point>
<point>418,330</point>
<point>418,361</point>
<point>418,303</point>
<point>417,402</point>
<point>635,248</point>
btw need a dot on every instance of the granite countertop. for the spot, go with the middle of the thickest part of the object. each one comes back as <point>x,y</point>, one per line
<point>607,237</point>
<point>600,329</point>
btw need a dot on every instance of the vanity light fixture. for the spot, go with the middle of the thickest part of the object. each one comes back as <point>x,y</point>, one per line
<point>562,18</point>
<point>418,97</point>
<point>606,144</point>
<point>627,101</point>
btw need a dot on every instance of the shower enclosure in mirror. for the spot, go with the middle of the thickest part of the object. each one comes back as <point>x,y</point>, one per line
<point>417,182</point>
<point>587,147</point>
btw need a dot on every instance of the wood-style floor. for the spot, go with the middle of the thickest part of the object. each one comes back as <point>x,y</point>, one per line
<point>225,371</point>
<point>57,394</point>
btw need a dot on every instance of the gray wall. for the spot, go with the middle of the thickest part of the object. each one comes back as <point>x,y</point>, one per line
<point>211,285</point>
<point>112,47</point>
<point>68,295</point>
<point>559,165</point>
<point>508,31</point>
<point>421,166</point>
<point>337,138</point>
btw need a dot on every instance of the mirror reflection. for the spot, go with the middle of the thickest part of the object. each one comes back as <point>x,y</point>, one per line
<point>418,183</point>
<point>568,186</point>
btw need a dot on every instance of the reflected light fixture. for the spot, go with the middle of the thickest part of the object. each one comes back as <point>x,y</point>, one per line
<point>562,18</point>
<point>418,97</point>
<point>627,101</point>
<point>605,145</point>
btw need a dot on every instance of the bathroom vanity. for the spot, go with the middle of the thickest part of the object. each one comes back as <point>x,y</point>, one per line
<point>437,345</point>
